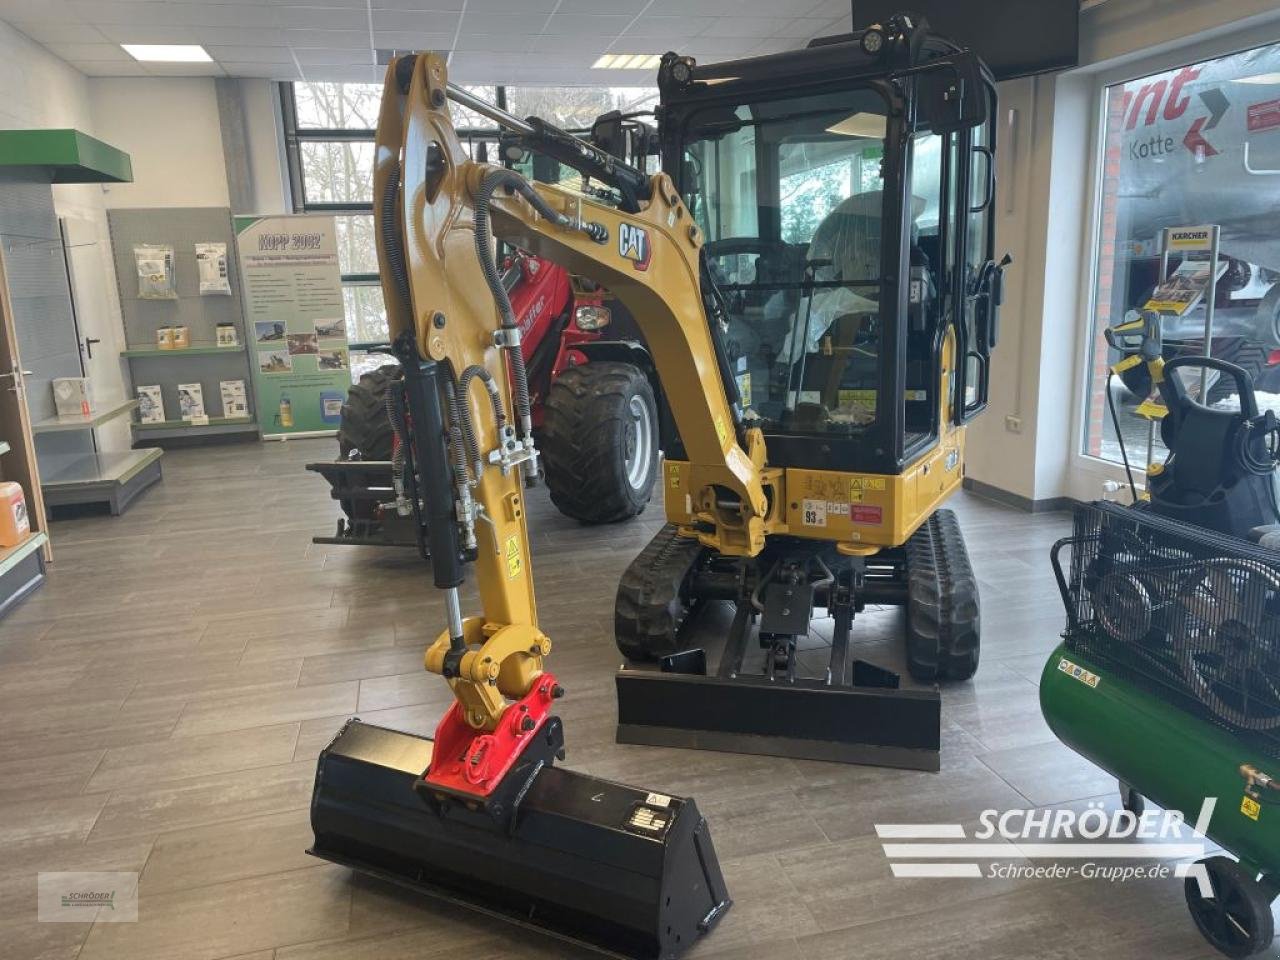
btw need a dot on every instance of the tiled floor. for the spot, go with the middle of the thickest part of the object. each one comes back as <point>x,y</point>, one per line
<point>164,697</point>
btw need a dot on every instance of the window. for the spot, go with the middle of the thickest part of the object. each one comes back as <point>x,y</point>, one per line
<point>1193,146</point>
<point>329,141</point>
<point>789,195</point>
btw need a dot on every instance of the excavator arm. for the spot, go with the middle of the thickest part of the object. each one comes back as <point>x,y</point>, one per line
<point>437,213</point>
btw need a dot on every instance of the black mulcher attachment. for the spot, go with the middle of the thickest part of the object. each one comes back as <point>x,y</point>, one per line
<point>622,871</point>
<point>853,711</point>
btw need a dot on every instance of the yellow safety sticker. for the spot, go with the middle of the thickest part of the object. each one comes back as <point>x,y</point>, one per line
<point>673,476</point>
<point>514,562</point>
<point>1250,807</point>
<point>744,388</point>
<point>721,431</point>
<point>859,484</point>
<point>1079,672</point>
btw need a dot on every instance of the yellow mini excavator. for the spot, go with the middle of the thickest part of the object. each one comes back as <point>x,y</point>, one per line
<point>864,331</point>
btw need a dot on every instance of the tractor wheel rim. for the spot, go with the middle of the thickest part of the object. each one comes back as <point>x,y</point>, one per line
<point>639,445</point>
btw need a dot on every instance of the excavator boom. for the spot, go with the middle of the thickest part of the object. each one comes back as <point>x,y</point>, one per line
<point>480,814</point>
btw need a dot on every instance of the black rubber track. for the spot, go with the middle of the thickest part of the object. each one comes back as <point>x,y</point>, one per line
<point>586,429</point>
<point>653,601</point>
<point>943,630</point>
<point>365,428</point>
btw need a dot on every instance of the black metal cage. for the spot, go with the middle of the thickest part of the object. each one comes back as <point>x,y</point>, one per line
<point>1189,615</point>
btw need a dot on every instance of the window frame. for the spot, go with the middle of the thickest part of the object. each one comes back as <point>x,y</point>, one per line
<point>294,136</point>
<point>1086,473</point>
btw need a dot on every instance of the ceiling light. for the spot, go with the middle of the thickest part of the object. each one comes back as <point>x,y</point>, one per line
<point>627,61</point>
<point>167,52</point>
<point>1260,78</point>
<point>870,125</point>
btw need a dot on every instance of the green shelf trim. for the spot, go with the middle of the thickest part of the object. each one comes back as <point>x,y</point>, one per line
<point>98,417</point>
<point>10,557</point>
<point>213,422</point>
<point>4,447</point>
<point>198,351</point>
<point>69,155</point>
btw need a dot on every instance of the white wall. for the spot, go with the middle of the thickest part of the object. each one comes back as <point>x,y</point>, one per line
<point>266,148</point>
<point>169,127</point>
<point>42,91</point>
<point>1027,440</point>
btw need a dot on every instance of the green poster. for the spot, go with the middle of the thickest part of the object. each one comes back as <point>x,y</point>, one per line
<point>295,320</point>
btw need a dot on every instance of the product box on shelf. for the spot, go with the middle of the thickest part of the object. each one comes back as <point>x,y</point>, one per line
<point>191,401</point>
<point>234,400</point>
<point>15,525</point>
<point>72,396</point>
<point>150,404</point>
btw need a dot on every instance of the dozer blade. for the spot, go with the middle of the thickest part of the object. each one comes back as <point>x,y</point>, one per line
<point>620,870</point>
<point>801,719</point>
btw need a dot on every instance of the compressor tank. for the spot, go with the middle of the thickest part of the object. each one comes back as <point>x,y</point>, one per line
<point>1166,754</point>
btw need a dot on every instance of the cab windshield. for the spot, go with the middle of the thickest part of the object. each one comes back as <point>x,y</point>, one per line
<point>789,194</point>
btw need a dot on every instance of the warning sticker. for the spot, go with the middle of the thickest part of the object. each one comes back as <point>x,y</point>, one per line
<point>744,388</point>
<point>514,562</point>
<point>857,485</point>
<point>1250,807</point>
<point>673,476</point>
<point>721,431</point>
<point>814,513</point>
<point>658,800</point>
<point>1079,672</point>
<point>869,515</point>
<point>1264,116</point>
<point>646,820</point>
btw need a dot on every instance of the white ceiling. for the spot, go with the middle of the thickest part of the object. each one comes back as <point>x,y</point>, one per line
<point>489,41</point>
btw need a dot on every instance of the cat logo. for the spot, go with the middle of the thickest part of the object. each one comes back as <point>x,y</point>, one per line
<point>633,243</point>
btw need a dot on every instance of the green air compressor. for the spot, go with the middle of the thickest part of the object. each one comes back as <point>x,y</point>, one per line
<point>1168,678</point>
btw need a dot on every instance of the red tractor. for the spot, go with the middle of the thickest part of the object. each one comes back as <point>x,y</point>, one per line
<point>593,391</point>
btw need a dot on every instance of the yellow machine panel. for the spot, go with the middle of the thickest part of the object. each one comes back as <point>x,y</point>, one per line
<point>853,508</point>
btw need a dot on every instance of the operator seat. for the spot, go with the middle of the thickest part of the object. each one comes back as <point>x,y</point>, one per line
<point>847,247</point>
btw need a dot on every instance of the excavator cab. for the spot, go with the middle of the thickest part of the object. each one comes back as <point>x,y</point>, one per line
<point>848,229</point>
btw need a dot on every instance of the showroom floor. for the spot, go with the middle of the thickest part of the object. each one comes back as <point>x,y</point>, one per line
<point>164,697</point>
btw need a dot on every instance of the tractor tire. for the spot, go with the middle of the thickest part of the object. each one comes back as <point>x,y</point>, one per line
<point>1250,355</point>
<point>365,432</point>
<point>653,598</point>
<point>943,629</point>
<point>600,442</point>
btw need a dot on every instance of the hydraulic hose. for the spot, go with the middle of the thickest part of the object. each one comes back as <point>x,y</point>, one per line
<point>392,244</point>
<point>397,427</point>
<point>460,411</point>
<point>462,443</point>
<point>493,278</point>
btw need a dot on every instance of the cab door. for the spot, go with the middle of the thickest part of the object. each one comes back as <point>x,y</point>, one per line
<point>979,277</point>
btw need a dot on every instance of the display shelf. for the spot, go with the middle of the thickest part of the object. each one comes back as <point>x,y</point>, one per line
<point>21,570</point>
<point>98,417</point>
<point>102,477</point>
<point>4,448</point>
<point>198,350</point>
<point>10,557</point>
<point>187,424</point>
